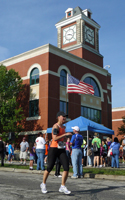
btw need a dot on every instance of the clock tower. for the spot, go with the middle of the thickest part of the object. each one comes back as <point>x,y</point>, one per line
<point>78,34</point>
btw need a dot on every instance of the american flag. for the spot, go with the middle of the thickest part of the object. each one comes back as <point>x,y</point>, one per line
<point>76,86</point>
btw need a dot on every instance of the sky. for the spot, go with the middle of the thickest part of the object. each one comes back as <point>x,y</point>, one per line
<point>28,24</point>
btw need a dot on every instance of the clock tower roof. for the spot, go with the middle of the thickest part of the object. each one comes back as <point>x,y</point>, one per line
<point>77,13</point>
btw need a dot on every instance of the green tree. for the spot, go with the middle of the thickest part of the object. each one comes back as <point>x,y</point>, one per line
<point>121,129</point>
<point>11,112</point>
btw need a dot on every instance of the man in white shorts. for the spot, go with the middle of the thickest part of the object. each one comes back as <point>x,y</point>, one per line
<point>23,150</point>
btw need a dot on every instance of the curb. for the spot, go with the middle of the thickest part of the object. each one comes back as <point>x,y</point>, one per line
<point>85,175</point>
<point>106,177</point>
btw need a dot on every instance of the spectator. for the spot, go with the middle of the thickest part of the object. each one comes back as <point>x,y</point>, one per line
<point>23,150</point>
<point>76,157</point>
<point>2,151</point>
<point>115,150</point>
<point>40,151</point>
<point>10,151</point>
<point>96,142</point>
<point>82,148</point>
<point>46,151</point>
<point>58,166</point>
<point>120,155</point>
<point>85,154</point>
<point>35,156</point>
<point>103,154</point>
<point>90,152</point>
<point>108,142</point>
<point>68,149</point>
<point>7,151</point>
<point>32,155</point>
<point>123,144</point>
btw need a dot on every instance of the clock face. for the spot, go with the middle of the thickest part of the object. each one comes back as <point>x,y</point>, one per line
<point>69,34</point>
<point>89,35</point>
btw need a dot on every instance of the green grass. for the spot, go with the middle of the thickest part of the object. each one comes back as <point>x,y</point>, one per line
<point>85,170</point>
<point>17,166</point>
<point>105,171</point>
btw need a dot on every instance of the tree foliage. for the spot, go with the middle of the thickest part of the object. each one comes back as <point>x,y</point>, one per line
<point>10,111</point>
<point>121,129</point>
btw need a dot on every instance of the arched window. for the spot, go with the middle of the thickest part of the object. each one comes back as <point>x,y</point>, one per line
<point>34,76</point>
<point>92,82</point>
<point>63,77</point>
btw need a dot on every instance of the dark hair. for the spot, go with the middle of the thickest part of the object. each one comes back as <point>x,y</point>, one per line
<point>116,139</point>
<point>40,134</point>
<point>60,113</point>
<point>96,134</point>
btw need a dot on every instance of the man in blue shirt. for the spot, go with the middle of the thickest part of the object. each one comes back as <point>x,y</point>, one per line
<point>76,142</point>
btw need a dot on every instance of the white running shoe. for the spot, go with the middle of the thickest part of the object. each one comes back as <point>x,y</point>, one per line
<point>43,188</point>
<point>64,189</point>
<point>59,176</point>
<point>74,177</point>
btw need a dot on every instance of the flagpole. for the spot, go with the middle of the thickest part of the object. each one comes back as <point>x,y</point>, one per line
<point>66,94</point>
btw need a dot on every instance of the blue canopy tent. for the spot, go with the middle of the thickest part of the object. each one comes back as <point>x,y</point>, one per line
<point>85,125</point>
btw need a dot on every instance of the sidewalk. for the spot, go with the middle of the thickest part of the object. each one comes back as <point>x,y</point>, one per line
<point>86,175</point>
<point>121,165</point>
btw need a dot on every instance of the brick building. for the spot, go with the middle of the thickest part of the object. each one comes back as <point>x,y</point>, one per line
<point>117,121</point>
<point>45,68</point>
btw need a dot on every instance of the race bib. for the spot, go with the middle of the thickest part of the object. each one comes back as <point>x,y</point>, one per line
<point>61,145</point>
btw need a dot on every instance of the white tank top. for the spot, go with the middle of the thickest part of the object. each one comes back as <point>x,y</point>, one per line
<point>124,143</point>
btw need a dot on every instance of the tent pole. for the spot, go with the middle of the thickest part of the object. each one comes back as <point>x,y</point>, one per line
<point>87,145</point>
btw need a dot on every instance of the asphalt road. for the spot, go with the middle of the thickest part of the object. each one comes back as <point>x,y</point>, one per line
<point>16,186</point>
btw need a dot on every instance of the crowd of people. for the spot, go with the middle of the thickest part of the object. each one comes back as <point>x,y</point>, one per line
<point>65,149</point>
<point>38,152</point>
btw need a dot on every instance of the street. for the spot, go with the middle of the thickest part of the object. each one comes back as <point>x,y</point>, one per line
<point>18,186</point>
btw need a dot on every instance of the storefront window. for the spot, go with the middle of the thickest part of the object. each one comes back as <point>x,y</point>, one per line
<point>92,114</point>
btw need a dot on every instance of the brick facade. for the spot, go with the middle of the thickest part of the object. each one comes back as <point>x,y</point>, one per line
<point>80,62</point>
<point>117,114</point>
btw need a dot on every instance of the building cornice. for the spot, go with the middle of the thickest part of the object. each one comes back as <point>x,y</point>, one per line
<point>26,55</point>
<point>77,46</point>
<point>118,109</point>
<point>117,120</point>
<point>77,60</point>
<point>56,51</point>
<point>75,18</point>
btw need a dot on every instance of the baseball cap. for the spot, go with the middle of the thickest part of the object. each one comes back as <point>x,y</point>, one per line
<point>60,113</point>
<point>76,128</point>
